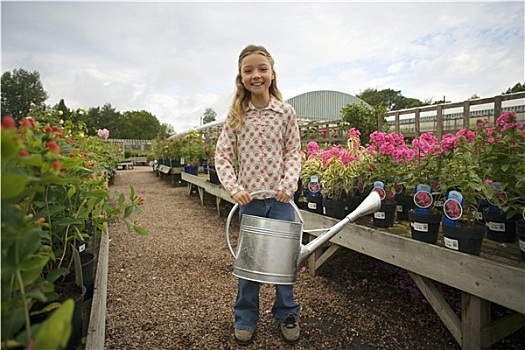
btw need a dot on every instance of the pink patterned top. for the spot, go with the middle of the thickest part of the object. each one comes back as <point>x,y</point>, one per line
<point>267,151</point>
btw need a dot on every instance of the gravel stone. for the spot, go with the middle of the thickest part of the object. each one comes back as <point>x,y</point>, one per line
<point>174,289</point>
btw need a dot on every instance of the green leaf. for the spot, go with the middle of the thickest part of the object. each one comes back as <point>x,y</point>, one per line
<point>127,211</point>
<point>54,333</point>
<point>32,267</point>
<point>13,185</point>
<point>140,230</point>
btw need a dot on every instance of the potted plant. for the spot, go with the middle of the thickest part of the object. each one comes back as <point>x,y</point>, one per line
<point>192,151</point>
<point>311,174</point>
<point>54,184</point>
<point>501,150</point>
<point>343,177</point>
<point>421,183</point>
<point>389,154</point>
<point>463,185</point>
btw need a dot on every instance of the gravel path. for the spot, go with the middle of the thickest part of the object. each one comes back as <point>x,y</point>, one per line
<point>174,288</point>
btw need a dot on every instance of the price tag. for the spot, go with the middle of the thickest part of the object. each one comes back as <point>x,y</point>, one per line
<point>451,243</point>
<point>419,226</point>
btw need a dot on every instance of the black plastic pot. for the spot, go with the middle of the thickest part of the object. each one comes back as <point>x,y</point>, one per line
<point>464,239</point>
<point>425,227</point>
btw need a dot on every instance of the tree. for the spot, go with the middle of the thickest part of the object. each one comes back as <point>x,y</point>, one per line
<point>20,89</point>
<point>141,125</point>
<point>516,88</point>
<point>102,118</point>
<point>389,98</point>
<point>362,118</point>
<point>167,130</point>
<point>61,106</point>
<point>208,116</point>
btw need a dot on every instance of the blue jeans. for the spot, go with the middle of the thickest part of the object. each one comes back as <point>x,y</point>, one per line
<point>246,308</point>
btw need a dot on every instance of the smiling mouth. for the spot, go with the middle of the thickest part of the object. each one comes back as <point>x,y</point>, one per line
<point>257,84</point>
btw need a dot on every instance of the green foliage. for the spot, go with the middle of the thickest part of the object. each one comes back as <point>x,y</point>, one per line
<point>192,148</point>
<point>209,116</point>
<point>139,125</point>
<point>360,117</point>
<point>106,117</point>
<point>20,90</point>
<point>388,98</point>
<point>54,181</point>
<point>516,88</point>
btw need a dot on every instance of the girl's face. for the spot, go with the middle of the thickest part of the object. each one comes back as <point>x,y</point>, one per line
<point>257,76</point>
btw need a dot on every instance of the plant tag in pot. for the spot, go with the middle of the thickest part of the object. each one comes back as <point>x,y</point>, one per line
<point>423,199</point>
<point>379,187</point>
<point>453,208</point>
<point>313,186</point>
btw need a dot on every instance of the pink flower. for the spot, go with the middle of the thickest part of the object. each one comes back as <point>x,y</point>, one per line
<point>104,133</point>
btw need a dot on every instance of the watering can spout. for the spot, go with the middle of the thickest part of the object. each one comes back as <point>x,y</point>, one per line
<point>370,205</point>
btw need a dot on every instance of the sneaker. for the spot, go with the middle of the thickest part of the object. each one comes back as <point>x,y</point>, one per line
<point>290,330</point>
<point>243,336</point>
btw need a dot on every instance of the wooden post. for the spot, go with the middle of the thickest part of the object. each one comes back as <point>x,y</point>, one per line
<point>417,121</point>
<point>439,122</point>
<point>466,114</point>
<point>497,109</point>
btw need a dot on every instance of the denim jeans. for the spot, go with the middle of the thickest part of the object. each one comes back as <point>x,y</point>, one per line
<point>246,308</point>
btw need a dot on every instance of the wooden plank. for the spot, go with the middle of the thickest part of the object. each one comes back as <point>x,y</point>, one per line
<point>326,256</point>
<point>439,304</point>
<point>164,169</point>
<point>487,279</point>
<point>501,328</point>
<point>475,314</point>
<point>97,320</point>
<point>213,189</point>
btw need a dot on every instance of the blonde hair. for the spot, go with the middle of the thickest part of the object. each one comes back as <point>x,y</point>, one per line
<point>242,96</point>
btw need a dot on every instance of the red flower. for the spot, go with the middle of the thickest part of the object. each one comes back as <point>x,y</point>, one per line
<point>53,146</point>
<point>25,124</point>
<point>8,122</point>
<point>24,153</point>
<point>57,165</point>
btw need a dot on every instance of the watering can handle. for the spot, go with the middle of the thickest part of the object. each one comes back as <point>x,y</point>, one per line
<point>230,216</point>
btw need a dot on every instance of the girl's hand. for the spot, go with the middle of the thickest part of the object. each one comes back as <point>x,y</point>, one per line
<point>282,197</point>
<point>242,197</point>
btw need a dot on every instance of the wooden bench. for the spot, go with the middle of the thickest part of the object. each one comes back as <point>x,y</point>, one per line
<point>125,165</point>
<point>483,280</point>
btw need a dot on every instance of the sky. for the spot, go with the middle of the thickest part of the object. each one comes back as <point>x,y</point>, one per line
<point>176,59</point>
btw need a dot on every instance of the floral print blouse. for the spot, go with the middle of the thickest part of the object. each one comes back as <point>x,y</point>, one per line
<point>264,154</point>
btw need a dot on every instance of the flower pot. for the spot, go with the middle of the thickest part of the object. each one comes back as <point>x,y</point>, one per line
<point>88,263</point>
<point>385,216</point>
<point>352,203</point>
<point>334,208</point>
<point>499,228</point>
<point>425,227</point>
<point>464,239</point>
<point>65,291</point>
<point>214,178</point>
<point>174,163</point>
<point>520,232</point>
<point>191,169</point>
<point>314,204</point>
<point>403,206</point>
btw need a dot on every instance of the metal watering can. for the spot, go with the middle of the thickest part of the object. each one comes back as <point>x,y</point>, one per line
<point>271,251</point>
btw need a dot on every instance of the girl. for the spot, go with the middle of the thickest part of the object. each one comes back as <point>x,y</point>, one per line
<point>261,137</point>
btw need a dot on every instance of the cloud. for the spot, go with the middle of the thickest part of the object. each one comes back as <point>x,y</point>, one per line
<point>175,59</point>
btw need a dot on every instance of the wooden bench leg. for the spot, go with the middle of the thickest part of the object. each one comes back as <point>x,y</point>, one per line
<point>218,203</point>
<point>475,314</point>
<point>201,194</point>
